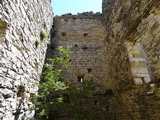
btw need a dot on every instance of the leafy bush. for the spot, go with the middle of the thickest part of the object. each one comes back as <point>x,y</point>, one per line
<point>74,104</point>
<point>51,83</point>
<point>57,98</point>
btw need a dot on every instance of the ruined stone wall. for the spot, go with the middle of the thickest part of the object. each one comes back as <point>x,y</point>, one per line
<point>21,61</point>
<point>149,32</point>
<point>132,21</point>
<point>133,49</point>
<point>130,62</point>
<point>119,49</point>
<point>85,33</point>
<point>86,37</point>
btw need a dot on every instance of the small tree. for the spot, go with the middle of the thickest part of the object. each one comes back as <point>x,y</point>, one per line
<point>51,83</point>
<point>57,98</point>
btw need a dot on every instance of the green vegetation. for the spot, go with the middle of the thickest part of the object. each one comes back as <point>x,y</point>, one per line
<point>57,98</point>
<point>74,102</point>
<point>38,42</point>
<point>43,35</point>
<point>51,83</point>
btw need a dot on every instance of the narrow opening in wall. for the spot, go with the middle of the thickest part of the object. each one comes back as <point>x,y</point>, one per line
<point>80,78</point>
<point>140,66</point>
<point>85,34</point>
<point>106,108</point>
<point>95,103</point>
<point>21,91</point>
<point>89,70</point>
<point>75,45</point>
<point>3,27</point>
<point>64,34</point>
<point>84,47</point>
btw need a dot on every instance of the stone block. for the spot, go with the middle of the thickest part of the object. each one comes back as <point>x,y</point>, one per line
<point>141,75</point>
<point>15,51</point>
<point>139,64</point>
<point>139,70</point>
<point>136,55</point>
<point>147,79</point>
<point>156,30</point>
<point>138,81</point>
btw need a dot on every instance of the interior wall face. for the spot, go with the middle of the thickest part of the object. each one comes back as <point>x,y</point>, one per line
<point>89,53</point>
<point>119,50</point>
<point>21,61</point>
<point>135,25</point>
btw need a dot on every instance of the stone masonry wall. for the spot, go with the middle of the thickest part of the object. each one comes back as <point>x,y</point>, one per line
<point>119,49</point>
<point>130,62</point>
<point>133,49</point>
<point>21,22</point>
<point>86,35</point>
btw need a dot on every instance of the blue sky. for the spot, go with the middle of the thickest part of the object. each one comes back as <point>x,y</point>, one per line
<point>75,6</point>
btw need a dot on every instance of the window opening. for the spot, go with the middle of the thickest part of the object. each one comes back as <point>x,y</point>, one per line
<point>89,70</point>
<point>95,103</point>
<point>80,79</point>
<point>64,34</point>
<point>139,62</point>
<point>21,90</point>
<point>75,45</point>
<point>106,108</point>
<point>85,34</point>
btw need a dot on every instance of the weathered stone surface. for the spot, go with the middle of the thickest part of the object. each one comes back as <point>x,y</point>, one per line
<point>129,59</point>
<point>119,49</point>
<point>86,37</point>
<point>134,24</point>
<point>21,22</point>
<point>85,33</point>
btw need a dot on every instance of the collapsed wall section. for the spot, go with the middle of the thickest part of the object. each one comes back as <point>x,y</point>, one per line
<point>21,22</point>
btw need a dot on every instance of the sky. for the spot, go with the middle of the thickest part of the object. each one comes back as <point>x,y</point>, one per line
<point>75,6</point>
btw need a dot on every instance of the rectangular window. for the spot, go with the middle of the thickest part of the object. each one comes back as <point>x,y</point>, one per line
<point>80,78</point>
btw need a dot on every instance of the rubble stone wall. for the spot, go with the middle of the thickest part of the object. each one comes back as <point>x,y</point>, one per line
<point>21,61</point>
<point>86,37</point>
<point>133,49</point>
<point>131,54</point>
<point>119,49</point>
